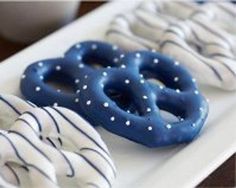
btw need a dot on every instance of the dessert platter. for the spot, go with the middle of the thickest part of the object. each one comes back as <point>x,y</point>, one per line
<point>132,103</point>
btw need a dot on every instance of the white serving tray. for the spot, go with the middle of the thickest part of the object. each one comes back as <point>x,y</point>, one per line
<point>138,166</point>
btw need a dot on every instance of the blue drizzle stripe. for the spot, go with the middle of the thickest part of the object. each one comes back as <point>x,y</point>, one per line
<point>212,31</point>
<point>80,130</point>
<point>27,140</point>
<point>53,119</point>
<point>222,55</point>
<point>95,168</point>
<point>51,142</point>
<point>101,155</point>
<point>23,161</point>
<point>25,168</point>
<point>10,105</point>
<point>27,123</point>
<point>204,42</point>
<point>175,43</point>
<point>35,118</point>
<point>70,165</point>
<point>216,54</point>
<point>226,10</point>
<point>65,158</point>
<point>14,173</point>
<point>55,123</point>
<point>31,104</point>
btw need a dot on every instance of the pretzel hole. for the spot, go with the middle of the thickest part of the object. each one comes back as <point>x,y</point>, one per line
<point>170,113</point>
<point>151,78</point>
<point>96,62</point>
<point>60,81</point>
<point>155,81</point>
<point>123,100</point>
<point>160,77</point>
<point>168,117</point>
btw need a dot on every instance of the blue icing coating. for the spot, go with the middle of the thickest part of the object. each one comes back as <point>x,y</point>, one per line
<point>118,95</point>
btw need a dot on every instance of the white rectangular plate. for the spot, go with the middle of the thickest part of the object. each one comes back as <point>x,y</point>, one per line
<point>138,166</point>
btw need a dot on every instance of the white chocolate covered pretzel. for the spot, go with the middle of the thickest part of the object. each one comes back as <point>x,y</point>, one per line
<point>51,144</point>
<point>196,35</point>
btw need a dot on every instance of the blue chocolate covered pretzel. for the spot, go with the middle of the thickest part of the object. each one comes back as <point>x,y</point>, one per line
<point>113,89</point>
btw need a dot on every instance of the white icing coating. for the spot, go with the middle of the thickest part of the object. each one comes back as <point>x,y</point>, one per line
<point>4,183</point>
<point>185,31</point>
<point>52,143</point>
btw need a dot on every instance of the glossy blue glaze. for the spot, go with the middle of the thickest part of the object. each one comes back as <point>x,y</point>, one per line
<point>118,95</point>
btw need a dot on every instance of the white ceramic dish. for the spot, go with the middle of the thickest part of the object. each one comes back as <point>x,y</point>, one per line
<point>140,167</point>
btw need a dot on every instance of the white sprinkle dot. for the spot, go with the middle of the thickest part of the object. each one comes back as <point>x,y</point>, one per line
<point>115,59</point>
<point>127,123</point>
<point>58,67</point>
<point>153,50</point>
<point>86,76</point>
<point>77,45</point>
<point>141,75</point>
<point>138,55</point>
<point>176,63</point>
<point>122,56</point>
<point>114,47</point>
<point>123,66</point>
<point>149,109</point>
<point>127,81</point>
<point>168,126</point>
<point>76,100</point>
<point>85,87</point>
<point>23,76</point>
<point>142,81</point>
<point>112,118</point>
<point>37,88</point>
<point>94,47</point>
<point>41,77</point>
<point>77,81</point>
<point>193,124</point>
<point>40,64</point>
<point>108,67</point>
<point>104,73</point>
<point>177,90</point>
<point>194,80</point>
<point>149,128</point>
<point>58,90</point>
<point>181,119</point>
<point>102,85</point>
<point>155,61</point>
<point>201,109</point>
<point>105,104</point>
<point>77,91</point>
<point>128,111</point>
<point>88,102</point>
<point>55,104</point>
<point>196,92</point>
<point>81,65</point>
<point>145,97</point>
<point>176,79</point>
<point>79,57</point>
<point>161,87</point>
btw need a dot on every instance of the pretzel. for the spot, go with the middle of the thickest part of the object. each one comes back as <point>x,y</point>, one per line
<point>184,31</point>
<point>52,143</point>
<point>221,13</point>
<point>119,97</point>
